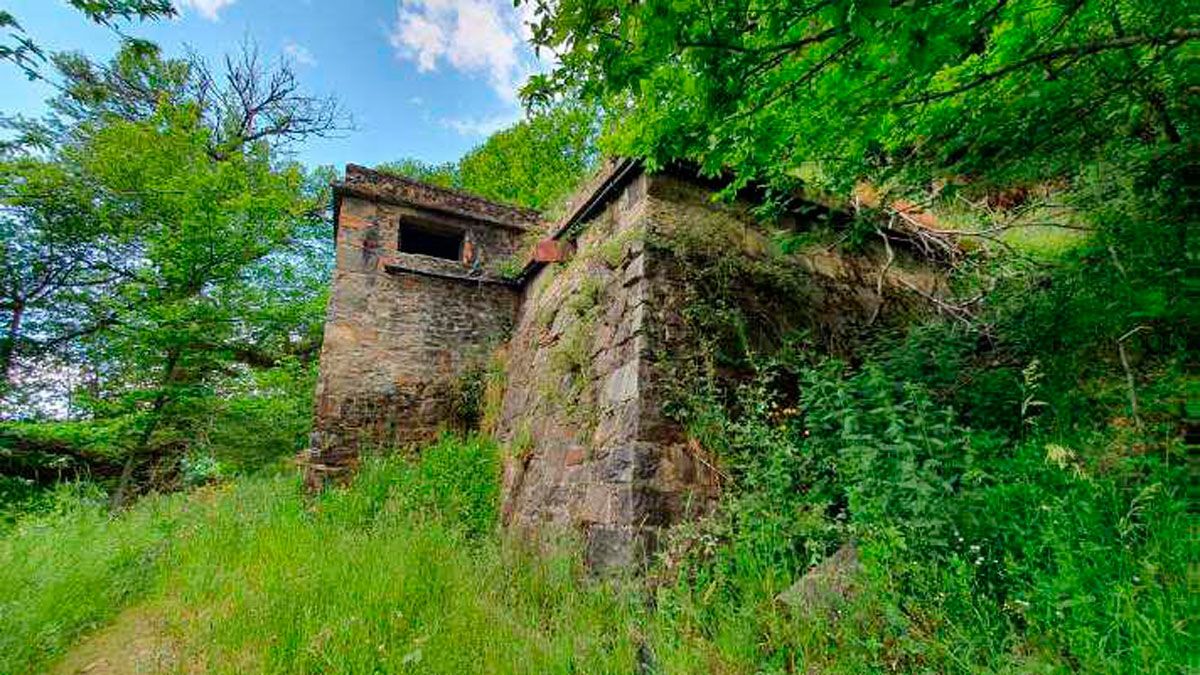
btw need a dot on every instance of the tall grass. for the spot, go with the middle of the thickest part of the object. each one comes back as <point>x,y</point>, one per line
<point>404,571</point>
<point>71,569</point>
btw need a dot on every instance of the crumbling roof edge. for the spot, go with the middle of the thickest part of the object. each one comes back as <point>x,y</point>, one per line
<point>397,268</point>
<point>594,195</point>
<point>380,186</point>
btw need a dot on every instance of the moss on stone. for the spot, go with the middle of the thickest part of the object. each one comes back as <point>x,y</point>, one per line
<point>613,250</point>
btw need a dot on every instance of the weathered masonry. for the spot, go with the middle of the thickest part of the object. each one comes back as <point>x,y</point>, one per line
<point>585,320</point>
<point>415,292</point>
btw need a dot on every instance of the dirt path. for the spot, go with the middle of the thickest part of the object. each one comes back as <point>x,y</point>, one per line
<point>137,641</point>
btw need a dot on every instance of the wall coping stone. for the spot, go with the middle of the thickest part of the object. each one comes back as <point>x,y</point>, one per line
<point>378,186</point>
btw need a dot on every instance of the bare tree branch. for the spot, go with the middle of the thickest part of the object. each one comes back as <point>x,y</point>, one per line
<point>256,103</point>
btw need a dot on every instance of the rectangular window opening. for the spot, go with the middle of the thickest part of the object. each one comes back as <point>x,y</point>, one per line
<point>430,242</point>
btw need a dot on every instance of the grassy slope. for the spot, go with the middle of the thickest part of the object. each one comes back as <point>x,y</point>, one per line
<point>402,572</point>
<point>405,572</point>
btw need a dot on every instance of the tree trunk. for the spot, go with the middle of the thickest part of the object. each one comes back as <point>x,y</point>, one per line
<point>121,494</point>
<point>8,349</point>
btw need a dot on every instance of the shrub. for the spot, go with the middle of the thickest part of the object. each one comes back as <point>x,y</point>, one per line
<point>981,551</point>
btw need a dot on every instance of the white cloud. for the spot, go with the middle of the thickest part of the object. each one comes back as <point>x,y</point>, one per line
<point>299,53</point>
<point>209,9</point>
<point>419,39</point>
<point>484,38</point>
<point>481,126</point>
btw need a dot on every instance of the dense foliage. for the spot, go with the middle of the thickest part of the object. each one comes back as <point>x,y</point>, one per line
<point>1033,549</point>
<point>160,264</point>
<point>780,91</point>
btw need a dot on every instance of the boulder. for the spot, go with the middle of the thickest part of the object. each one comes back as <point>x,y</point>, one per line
<point>828,585</point>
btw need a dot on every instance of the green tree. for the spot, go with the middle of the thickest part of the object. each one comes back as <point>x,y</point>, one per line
<point>56,259</point>
<point>445,174</point>
<point>193,257</point>
<point>535,163</point>
<point>203,227</point>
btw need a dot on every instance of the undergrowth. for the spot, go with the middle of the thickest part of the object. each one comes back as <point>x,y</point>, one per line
<point>980,553</point>
<point>404,571</point>
<point>1015,484</point>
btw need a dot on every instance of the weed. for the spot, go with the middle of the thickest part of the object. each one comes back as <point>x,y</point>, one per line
<point>510,269</point>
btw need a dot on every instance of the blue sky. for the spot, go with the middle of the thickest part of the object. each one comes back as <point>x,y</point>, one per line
<point>421,78</point>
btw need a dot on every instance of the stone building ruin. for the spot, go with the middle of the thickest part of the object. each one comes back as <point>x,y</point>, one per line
<point>579,328</point>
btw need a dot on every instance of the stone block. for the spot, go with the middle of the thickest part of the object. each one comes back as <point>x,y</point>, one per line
<point>616,425</point>
<point>595,505</point>
<point>621,385</point>
<point>575,455</point>
<point>827,586</point>
<point>360,208</point>
<point>631,324</point>
<point>635,270</point>
<point>629,462</point>
<point>617,464</point>
<point>610,547</point>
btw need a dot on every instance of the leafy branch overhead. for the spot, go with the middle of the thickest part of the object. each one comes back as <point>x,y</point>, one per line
<point>158,240</point>
<point>26,54</point>
<point>833,91</point>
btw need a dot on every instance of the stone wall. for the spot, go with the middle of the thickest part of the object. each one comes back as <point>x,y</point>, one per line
<point>604,341</point>
<point>626,310</point>
<point>588,446</point>
<point>400,328</point>
<point>712,253</point>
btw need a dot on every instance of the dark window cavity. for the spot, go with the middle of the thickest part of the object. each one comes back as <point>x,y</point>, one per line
<point>429,241</point>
